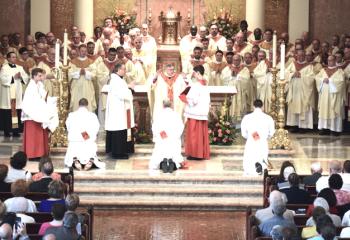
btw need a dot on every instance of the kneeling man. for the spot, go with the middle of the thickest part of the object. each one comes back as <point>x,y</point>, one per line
<point>167,130</point>
<point>82,126</point>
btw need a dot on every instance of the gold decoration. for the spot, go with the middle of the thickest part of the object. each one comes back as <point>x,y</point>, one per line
<point>273,112</point>
<point>281,140</point>
<point>59,137</point>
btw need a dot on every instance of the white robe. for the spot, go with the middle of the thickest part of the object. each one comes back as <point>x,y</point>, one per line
<point>78,122</point>
<point>119,100</point>
<point>256,150</point>
<point>171,123</point>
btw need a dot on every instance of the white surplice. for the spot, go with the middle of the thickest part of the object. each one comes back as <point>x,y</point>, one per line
<point>256,150</point>
<point>170,147</point>
<point>77,123</point>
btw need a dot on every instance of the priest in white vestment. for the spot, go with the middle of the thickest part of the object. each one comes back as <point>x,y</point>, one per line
<point>301,94</point>
<point>167,129</point>
<point>187,45</point>
<point>331,86</point>
<point>257,127</point>
<point>82,127</point>
<point>119,115</point>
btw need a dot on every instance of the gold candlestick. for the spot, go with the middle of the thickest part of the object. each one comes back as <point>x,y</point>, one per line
<point>59,137</point>
<point>281,139</point>
<point>273,112</point>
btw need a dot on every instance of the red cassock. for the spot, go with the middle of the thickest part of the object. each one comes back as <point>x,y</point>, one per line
<point>39,147</point>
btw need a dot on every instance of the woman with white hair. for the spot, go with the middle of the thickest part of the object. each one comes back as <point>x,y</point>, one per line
<point>321,202</point>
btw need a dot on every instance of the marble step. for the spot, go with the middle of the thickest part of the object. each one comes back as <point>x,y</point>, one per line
<point>171,203</point>
<point>136,191</point>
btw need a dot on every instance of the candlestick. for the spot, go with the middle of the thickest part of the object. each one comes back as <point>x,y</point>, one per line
<point>274,49</point>
<point>189,13</point>
<point>150,13</point>
<point>65,47</point>
<point>283,59</point>
<point>57,54</point>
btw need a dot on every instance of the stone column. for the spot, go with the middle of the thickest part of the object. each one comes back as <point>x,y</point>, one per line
<point>40,18</point>
<point>255,14</point>
<point>298,18</point>
<point>84,16</point>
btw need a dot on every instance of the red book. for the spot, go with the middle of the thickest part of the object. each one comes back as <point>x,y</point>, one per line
<point>256,136</point>
<point>85,135</point>
<point>183,94</point>
<point>163,134</point>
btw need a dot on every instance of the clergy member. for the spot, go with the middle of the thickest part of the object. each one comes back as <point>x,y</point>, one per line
<point>215,69</point>
<point>82,127</point>
<point>257,127</point>
<point>197,101</point>
<point>81,75</point>
<point>13,78</point>
<point>187,44</point>
<point>39,114</point>
<point>219,40</point>
<point>301,94</point>
<point>119,114</point>
<point>167,85</point>
<point>167,130</point>
<point>241,47</point>
<point>330,83</point>
<point>150,45</point>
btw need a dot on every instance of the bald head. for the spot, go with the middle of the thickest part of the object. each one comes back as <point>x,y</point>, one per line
<point>138,43</point>
<point>49,237</point>
<point>236,60</point>
<point>239,38</point>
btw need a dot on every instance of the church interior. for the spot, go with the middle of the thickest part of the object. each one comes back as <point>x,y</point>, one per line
<point>293,55</point>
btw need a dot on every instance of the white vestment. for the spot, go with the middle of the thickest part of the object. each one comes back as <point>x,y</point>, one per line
<point>256,149</point>
<point>119,101</point>
<point>80,122</point>
<point>170,147</point>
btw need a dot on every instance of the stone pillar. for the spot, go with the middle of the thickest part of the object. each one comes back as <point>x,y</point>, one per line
<point>40,18</point>
<point>298,18</point>
<point>84,16</point>
<point>255,14</point>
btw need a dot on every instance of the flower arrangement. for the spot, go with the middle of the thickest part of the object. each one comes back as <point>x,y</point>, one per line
<point>124,20</point>
<point>141,136</point>
<point>225,22</point>
<point>221,129</point>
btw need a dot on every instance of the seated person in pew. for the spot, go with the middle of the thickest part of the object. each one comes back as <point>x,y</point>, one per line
<point>325,228</point>
<point>309,232</point>
<point>335,182</point>
<point>321,202</point>
<point>16,171</point>
<point>56,195</point>
<point>331,199</point>
<point>41,174</point>
<point>72,202</point>
<point>42,185</point>
<point>4,186</point>
<point>266,213</point>
<point>19,190</point>
<point>68,230</point>
<point>322,182</point>
<point>57,212</point>
<point>278,209</point>
<point>316,173</point>
<point>284,233</point>
<point>286,169</point>
<point>294,194</point>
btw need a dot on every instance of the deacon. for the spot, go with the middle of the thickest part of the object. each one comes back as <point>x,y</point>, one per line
<point>82,127</point>
<point>167,85</point>
<point>81,75</point>
<point>119,115</point>
<point>257,127</point>
<point>330,83</point>
<point>13,78</point>
<point>301,94</point>
<point>197,99</point>
<point>167,130</point>
<point>39,116</point>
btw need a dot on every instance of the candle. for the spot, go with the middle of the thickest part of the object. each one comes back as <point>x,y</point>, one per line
<point>283,54</point>
<point>274,49</point>
<point>57,54</point>
<point>65,47</point>
<point>189,13</point>
<point>150,13</point>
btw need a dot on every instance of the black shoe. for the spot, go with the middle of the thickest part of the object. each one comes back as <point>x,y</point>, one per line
<point>323,132</point>
<point>294,129</point>
<point>16,135</point>
<point>172,166</point>
<point>7,135</point>
<point>336,134</point>
<point>164,165</point>
<point>258,168</point>
<point>121,156</point>
<point>193,158</point>
<point>302,130</point>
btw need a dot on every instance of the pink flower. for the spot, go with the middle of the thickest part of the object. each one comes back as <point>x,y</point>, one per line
<point>228,131</point>
<point>214,139</point>
<point>217,124</point>
<point>209,131</point>
<point>224,140</point>
<point>220,130</point>
<point>220,134</point>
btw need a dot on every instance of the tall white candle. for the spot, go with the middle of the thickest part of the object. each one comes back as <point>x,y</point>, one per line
<point>57,54</point>
<point>274,49</point>
<point>283,54</point>
<point>65,47</point>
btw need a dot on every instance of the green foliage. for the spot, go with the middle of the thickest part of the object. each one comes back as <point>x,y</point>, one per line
<point>226,25</point>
